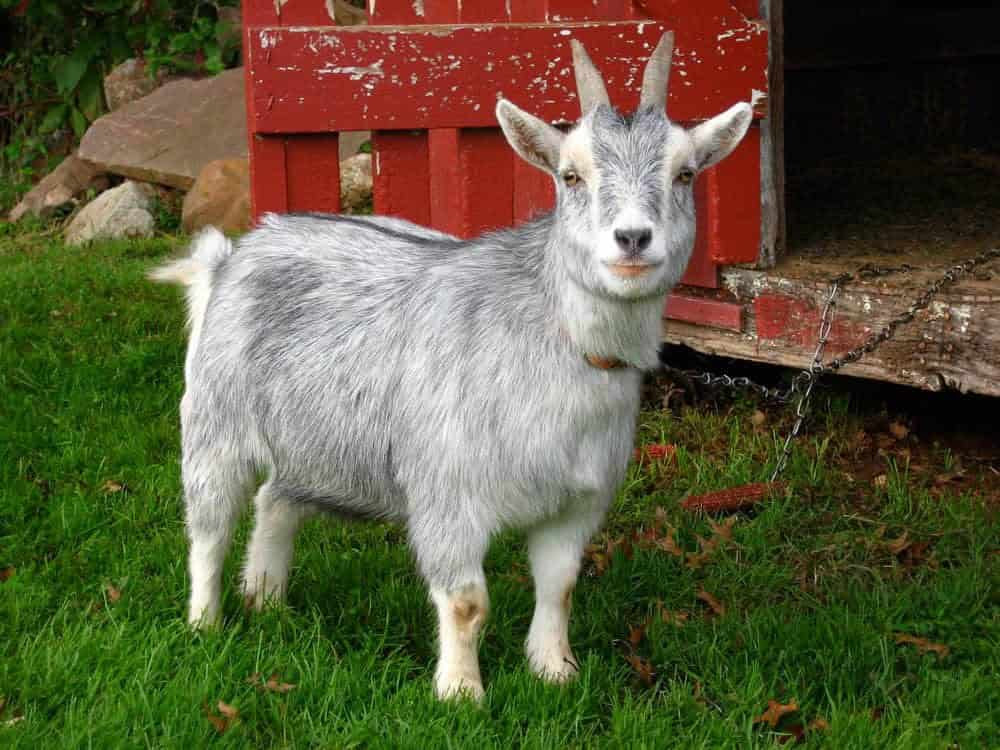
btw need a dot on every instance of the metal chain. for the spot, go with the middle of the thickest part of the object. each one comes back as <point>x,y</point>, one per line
<point>803,383</point>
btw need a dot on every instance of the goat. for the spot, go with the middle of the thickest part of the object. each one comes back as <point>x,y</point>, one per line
<point>375,369</point>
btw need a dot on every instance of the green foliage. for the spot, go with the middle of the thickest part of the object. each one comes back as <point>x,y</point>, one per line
<point>60,51</point>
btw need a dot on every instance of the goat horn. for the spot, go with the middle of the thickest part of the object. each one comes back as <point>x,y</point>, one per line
<point>589,84</point>
<point>654,77</point>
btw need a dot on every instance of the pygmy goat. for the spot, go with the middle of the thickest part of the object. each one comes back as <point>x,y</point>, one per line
<point>372,368</point>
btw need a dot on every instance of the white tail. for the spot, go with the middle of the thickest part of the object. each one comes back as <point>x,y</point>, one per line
<point>208,250</point>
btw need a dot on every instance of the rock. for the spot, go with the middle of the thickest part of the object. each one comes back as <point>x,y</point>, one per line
<point>170,135</point>
<point>59,188</point>
<point>355,183</point>
<point>345,14</point>
<point>129,81</point>
<point>124,211</point>
<point>220,197</point>
<point>351,140</point>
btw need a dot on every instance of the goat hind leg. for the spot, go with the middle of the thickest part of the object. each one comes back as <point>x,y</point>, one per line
<point>269,554</point>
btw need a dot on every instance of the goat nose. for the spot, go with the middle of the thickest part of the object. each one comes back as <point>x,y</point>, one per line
<point>633,241</point>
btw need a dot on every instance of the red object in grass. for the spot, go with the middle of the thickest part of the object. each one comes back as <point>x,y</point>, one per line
<point>733,499</point>
<point>654,452</point>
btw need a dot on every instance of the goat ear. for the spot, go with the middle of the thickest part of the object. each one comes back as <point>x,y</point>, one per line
<point>715,139</point>
<point>534,140</point>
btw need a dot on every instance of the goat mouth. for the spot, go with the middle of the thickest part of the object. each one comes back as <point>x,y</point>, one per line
<point>631,270</point>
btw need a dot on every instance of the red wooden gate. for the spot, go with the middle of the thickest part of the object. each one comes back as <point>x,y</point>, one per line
<point>424,77</point>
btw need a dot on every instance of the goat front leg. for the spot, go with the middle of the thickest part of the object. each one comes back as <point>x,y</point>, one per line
<point>555,549</point>
<point>451,561</point>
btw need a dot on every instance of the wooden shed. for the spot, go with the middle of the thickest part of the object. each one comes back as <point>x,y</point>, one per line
<point>874,152</point>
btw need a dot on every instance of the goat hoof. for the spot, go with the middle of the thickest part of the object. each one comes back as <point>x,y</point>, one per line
<point>458,687</point>
<point>557,666</point>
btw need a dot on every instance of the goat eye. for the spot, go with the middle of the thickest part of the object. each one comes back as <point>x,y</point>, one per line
<point>570,177</point>
<point>685,176</point>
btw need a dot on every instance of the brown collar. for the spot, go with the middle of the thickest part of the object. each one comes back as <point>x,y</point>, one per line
<point>605,363</point>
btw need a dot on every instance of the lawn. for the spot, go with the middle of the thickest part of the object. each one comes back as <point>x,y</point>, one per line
<point>686,626</point>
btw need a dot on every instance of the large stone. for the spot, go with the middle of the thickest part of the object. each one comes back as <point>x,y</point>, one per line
<point>170,135</point>
<point>124,211</point>
<point>220,197</point>
<point>60,188</point>
<point>355,183</point>
<point>128,82</point>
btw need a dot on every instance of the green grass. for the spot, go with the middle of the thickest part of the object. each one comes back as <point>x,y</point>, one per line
<point>90,380</point>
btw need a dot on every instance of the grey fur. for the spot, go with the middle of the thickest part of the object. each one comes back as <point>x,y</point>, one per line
<point>377,369</point>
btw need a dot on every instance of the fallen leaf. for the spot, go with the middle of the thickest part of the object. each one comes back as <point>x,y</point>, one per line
<point>876,713</point>
<point>881,480</point>
<point>660,515</point>
<point>678,617</point>
<point>230,712</point>
<point>795,732</point>
<point>695,560</point>
<point>668,543</point>
<point>923,645</point>
<point>898,430</point>
<point>775,711</point>
<point>717,607</point>
<point>113,593</point>
<point>7,573</point>
<point>723,530</point>
<point>643,669</point>
<point>275,685</point>
<point>221,723</point>
<point>110,487</point>
<point>818,725</point>
<point>897,545</point>
<point>636,634</point>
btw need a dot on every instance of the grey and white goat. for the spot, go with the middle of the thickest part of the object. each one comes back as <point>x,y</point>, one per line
<point>375,369</point>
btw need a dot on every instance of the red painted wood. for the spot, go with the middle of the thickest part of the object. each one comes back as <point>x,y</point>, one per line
<point>267,175</point>
<point>401,175</point>
<point>472,181</point>
<point>734,204</point>
<point>534,191</point>
<point>404,78</point>
<point>748,8</point>
<point>796,320</point>
<point>709,312</point>
<point>401,159</point>
<point>312,163</point>
<point>702,270</point>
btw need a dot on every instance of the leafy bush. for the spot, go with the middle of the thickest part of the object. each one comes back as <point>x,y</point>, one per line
<point>58,52</point>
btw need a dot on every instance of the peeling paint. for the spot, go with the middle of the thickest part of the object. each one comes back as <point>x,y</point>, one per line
<point>278,5</point>
<point>329,10</point>
<point>418,8</point>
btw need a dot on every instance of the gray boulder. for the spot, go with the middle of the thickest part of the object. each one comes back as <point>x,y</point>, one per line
<point>124,211</point>
<point>61,187</point>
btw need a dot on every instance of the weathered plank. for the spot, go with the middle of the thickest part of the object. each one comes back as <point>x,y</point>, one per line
<point>396,77</point>
<point>955,343</point>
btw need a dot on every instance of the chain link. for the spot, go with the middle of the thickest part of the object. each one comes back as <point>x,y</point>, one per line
<point>802,384</point>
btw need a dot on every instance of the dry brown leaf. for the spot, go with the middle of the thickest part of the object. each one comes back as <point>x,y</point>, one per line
<point>668,543</point>
<point>881,481</point>
<point>695,560</point>
<point>758,418</point>
<point>636,634</point>
<point>660,515</point>
<point>7,573</point>
<point>818,725</point>
<point>275,685</point>
<point>723,530</point>
<point>110,487</point>
<point>900,543</point>
<point>923,645</point>
<point>775,711</point>
<point>113,593</point>
<point>717,607</point>
<point>678,617</point>
<point>221,723</point>
<point>230,712</point>
<point>643,669</point>
<point>899,431</point>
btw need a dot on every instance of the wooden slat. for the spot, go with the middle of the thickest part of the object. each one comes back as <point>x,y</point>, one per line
<point>733,204</point>
<point>702,270</point>
<point>401,159</point>
<point>534,191</point>
<point>707,312</point>
<point>267,175</point>
<point>308,80</point>
<point>312,163</point>
<point>401,175</point>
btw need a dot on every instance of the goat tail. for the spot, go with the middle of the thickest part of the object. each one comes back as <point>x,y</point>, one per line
<point>208,249</point>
